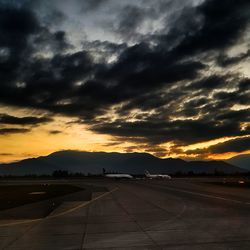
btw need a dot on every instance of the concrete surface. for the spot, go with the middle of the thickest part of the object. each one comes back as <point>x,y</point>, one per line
<point>179,214</point>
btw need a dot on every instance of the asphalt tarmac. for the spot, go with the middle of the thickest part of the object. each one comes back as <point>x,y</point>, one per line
<point>139,214</point>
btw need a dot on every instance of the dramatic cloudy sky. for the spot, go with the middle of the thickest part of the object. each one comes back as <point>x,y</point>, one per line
<point>168,77</point>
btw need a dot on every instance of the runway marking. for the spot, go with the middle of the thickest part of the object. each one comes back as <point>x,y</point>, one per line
<point>207,195</point>
<point>169,220</point>
<point>178,215</point>
<point>60,214</point>
<point>135,221</point>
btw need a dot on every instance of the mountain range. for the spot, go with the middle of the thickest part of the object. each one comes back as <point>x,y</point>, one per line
<point>242,161</point>
<point>94,162</point>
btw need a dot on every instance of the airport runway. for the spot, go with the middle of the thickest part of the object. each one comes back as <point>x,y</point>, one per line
<point>140,214</point>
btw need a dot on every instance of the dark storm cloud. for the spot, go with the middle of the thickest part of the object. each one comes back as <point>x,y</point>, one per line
<point>28,120</point>
<point>210,82</point>
<point>140,68</point>
<point>236,97</point>
<point>55,41</point>
<point>7,131</point>
<point>106,46</point>
<point>181,131</point>
<point>222,25</point>
<point>225,61</point>
<point>49,82</point>
<point>165,77</point>
<point>104,49</point>
<point>15,27</point>
<point>244,85</point>
<point>129,21</point>
<point>238,145</point>
<point>234,116</point>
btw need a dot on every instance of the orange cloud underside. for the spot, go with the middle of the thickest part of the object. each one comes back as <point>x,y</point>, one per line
<point>226,155</point>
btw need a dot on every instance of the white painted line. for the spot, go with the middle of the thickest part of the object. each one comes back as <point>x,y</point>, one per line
<point>36,193</point>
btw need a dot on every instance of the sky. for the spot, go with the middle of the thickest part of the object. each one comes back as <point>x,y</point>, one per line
<point>167,77</point>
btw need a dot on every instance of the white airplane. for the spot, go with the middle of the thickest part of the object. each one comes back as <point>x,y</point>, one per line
<point>116,176</point>
<point>119,176</point>
<point>157,176</point>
